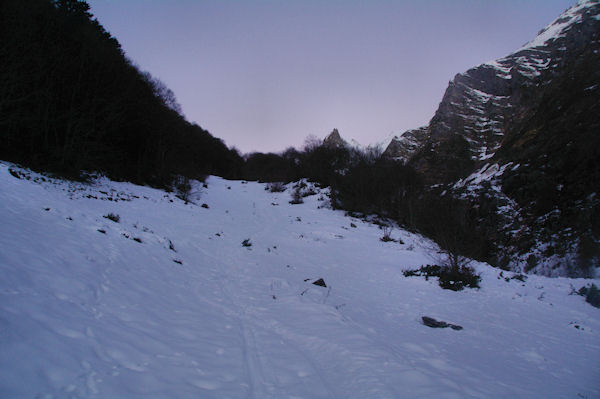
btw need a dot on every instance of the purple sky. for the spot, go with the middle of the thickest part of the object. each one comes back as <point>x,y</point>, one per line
<point>263,75</point>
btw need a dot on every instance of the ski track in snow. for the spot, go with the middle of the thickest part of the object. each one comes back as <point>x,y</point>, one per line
<point>85,313</point>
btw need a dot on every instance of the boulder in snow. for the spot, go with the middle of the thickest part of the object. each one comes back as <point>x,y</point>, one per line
<point>433,323</point>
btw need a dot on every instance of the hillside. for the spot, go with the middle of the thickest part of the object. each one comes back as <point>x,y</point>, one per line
<point>167,302</point>
<point>70,100</point>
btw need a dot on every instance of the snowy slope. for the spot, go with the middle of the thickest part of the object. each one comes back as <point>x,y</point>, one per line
<point>560,25</point>
<point>546,50</point>
<point>90,314</point>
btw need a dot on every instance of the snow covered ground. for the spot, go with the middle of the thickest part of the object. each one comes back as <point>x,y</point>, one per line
<point>167,302</point>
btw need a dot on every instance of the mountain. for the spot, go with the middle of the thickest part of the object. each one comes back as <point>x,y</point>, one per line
<point>402,148</point>
<point>334,140</point>
<point>115,290</point>
<point>486,106</point>
<point>519,136</point>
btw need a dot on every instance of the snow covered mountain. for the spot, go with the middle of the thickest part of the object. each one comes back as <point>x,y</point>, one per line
<point>519,136</point>
<point>112,290</point>
<point>487,102</point>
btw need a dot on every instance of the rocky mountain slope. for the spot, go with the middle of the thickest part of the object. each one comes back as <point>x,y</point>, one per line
<point>489,101</point>
<point>401,148</point>
<point>521,134</point>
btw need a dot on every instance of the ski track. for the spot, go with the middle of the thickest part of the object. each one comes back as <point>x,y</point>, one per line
<point>91,314</point>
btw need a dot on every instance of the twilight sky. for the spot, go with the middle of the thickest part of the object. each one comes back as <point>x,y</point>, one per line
<point>262,75</point>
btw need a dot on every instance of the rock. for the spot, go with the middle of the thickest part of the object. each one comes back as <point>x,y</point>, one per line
<point>433,323</point>
<point>320,282</point>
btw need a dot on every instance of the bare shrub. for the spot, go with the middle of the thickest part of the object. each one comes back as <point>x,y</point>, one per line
<point>387,231</point>
<point>591,294</point>
<point>182,188</point>
<point>297,196</point>
<point>276,187</point>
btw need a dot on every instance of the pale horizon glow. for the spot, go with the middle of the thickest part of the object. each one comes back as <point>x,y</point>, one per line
<point>263,75</point>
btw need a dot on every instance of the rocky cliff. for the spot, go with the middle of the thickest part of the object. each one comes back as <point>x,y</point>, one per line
<point>521,135</point>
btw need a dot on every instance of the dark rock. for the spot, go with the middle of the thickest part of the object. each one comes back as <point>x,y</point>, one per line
<point>433,323</point>
<point>320,282</point>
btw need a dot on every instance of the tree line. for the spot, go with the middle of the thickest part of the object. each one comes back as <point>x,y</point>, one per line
<point>70,100</point>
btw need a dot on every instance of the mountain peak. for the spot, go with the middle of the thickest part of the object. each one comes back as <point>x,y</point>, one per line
<point>560,25</point>
<point>334,140</point>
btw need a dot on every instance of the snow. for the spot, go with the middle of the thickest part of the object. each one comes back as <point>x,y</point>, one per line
<point>525,59</point>
<point>483,96</point>
<point>487,173</point>
<point>484,155</point>
<point>91,314</point>
<point>502,71</point>
<point>559,25</point>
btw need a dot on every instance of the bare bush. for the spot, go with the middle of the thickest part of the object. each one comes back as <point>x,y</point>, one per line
<point>182,188</point>
<point>276,187</point>
<point>387,231</point>
<point>297,196</point>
